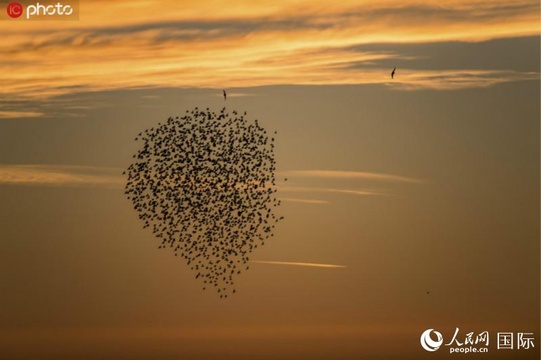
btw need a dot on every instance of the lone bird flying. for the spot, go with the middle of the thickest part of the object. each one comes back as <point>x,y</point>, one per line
<point>225,95</point>
<point>392,73</point>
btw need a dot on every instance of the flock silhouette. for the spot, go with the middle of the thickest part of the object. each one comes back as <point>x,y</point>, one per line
<point>205,184</point>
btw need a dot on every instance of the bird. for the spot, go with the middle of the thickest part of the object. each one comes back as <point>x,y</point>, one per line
<point>225,94</point>
<point>392,73</point>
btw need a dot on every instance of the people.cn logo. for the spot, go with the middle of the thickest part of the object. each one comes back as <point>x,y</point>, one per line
<point>428,343</point>
<point>45,9</point>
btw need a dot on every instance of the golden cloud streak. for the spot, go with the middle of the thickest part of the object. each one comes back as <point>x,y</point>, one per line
<point>458,79</point>
<point>363,192</point>
<point>298,264</point>
<point>340,175</point>
<point>133,44</point>
<point>305,201</point>
<point>20,114</point>
<point>337,174</point>
<point>48,175</point>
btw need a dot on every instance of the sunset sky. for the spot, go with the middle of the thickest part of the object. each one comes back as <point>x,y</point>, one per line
<point>411,203</point>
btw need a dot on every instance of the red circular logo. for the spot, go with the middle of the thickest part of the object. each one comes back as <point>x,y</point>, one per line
<point>15,9</point>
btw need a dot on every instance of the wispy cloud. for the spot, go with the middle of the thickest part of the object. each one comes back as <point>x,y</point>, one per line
<point>305,201</point>
<point>234,94</point>
<point>330,266</point>
<point>57,175</point>
<point>359,192</point>
<point>20,114</point>
<point>458,79</point>
<point>248,44</point>
<point>339,174</point>
<point>306,181</point>
<point>66,175</point>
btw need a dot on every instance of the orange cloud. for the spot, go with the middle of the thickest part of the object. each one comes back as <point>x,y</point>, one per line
<point>339,174</point>
<point>20,114</point>
<point>49,175</point>
<point>133,44</point>
<point>360,192</point>
<point>305,201</point>
<point>330,266</point>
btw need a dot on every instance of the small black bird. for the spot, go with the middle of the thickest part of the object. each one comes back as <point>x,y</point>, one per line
<point>392,73</point>
<point>225,95</point>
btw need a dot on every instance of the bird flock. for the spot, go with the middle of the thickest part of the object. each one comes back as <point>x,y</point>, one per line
<point>205,184</point>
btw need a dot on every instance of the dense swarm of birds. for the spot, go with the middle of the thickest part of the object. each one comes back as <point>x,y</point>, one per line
<point>204,183</point>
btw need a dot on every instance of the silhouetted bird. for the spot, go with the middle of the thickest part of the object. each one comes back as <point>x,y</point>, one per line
<point>225,95</point>
<point>392,73</point>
